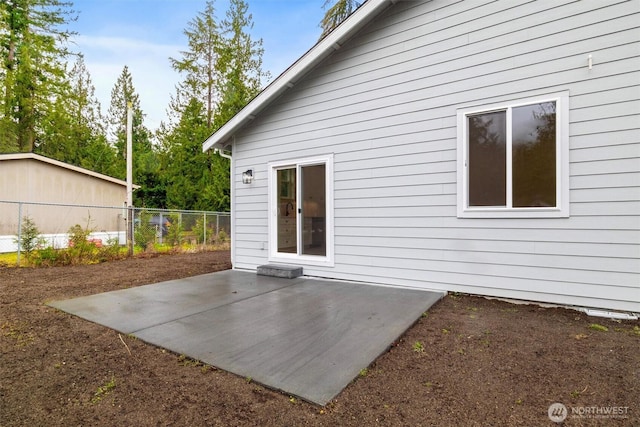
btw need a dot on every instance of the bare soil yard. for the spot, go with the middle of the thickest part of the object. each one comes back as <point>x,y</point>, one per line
<point>469,361</point>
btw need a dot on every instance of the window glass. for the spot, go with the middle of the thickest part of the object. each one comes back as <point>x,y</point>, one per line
<point>287,208</point>
<point>313,210</point>
<point>487,159</point>
<point>513,159</point>
<point>534,155</point>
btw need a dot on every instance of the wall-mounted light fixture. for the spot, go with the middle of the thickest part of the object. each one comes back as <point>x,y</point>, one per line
<point>247,176</point>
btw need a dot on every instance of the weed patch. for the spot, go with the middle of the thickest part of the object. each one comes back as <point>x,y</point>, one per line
<point>186,361</point>
<point>17,332</point>
<point>103,390</point>
<point>418,347</point>
<point>599,328</point>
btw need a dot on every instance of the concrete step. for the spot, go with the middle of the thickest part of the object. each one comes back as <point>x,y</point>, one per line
<point>280,270</point>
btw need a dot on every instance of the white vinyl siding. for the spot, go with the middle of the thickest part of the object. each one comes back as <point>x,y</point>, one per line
<point>385,105</point>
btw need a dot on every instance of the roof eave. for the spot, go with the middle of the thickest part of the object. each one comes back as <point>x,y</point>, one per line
<point>295,72</point>
<point>44,159</point>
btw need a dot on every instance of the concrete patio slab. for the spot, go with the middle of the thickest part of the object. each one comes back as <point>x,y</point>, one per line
<point>306,337</point>
<point>134,309</point>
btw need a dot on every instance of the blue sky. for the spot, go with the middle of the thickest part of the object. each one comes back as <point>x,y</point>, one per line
<point>143,34</point>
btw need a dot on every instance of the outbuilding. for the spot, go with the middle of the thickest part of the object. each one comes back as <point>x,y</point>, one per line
<point>55,196</point>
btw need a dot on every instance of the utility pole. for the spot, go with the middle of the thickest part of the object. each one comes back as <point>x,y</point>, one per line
<point>130,178</point>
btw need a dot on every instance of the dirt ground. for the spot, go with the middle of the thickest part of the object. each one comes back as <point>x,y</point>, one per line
<point>469,361</point>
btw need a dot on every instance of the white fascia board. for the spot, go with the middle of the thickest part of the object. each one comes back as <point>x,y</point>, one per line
<point>359,18</point>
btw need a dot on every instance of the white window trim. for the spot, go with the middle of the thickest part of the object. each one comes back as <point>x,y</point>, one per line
<point>562,163</point>
<point>279,257</point>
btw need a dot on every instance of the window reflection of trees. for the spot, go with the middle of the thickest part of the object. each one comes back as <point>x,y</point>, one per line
<point>533,141</point>
<point>487,159</point>
<point>534,155</point>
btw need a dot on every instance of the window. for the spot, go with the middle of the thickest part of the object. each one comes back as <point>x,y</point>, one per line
<point>301,205</point>
<point>513,159</point>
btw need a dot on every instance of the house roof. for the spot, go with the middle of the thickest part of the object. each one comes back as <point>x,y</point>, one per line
<point>33,156</point>
<point>325,47</point>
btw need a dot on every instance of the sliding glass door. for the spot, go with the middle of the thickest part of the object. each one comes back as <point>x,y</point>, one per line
<point>301,197</point>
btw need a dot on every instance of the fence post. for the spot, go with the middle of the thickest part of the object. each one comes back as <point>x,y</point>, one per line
<point>204,227</point>
<point>19,232</point>
<point>217,223</point>
<point>130,218</point>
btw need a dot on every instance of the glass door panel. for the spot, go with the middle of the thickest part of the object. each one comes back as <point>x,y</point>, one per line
<point>287,211</point>
<point>313,216</point>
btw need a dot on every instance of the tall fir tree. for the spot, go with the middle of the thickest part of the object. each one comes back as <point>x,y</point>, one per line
<point>186,166</point>
<point>198,63</point>
<point>222,72</point>
<point>145,160</point>
<point>83,103</point>
<point>124,92</point>
<point>33,49</point>
<point>335,14</point>
<point>96,153</point>
<point>73,132</point>
<point>239,63</point>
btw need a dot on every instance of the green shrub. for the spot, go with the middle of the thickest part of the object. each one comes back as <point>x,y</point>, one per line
<point>145,232</point>
<point>80,250</point>
<point>174,230</point>
<point>29,239</point>
<point>46,257</point>
<point>201,232</point>
<point>222,237</point>
<point>110,251</point>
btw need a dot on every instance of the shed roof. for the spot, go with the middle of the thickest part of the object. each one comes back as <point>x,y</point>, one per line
<point>38,157</point>
<point>325,47</point>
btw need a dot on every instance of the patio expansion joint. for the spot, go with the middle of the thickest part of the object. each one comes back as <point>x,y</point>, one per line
<point>293,283</point>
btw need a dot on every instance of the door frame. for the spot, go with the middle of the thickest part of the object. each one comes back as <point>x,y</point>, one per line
<point>288,258</point>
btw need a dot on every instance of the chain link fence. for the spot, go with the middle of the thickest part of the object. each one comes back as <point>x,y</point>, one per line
<point>52,223</point>
<point>174,227</point>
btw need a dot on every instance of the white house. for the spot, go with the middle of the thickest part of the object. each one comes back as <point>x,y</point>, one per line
<point>485,147</point>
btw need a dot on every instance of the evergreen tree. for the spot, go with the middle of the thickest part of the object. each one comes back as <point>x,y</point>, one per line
<point>336,14</point>
<point>239,63</point>
<point>187,168</point>
<point>95,151</point>
<point>223,72</point>
<point>73,131</point>
<point>32,48</point>
<point>223,66</point>
<point>122,93</point>
<point>145,160</point>
<point>148,174</point>
<point>83,103</point>
<point>198,64</point>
